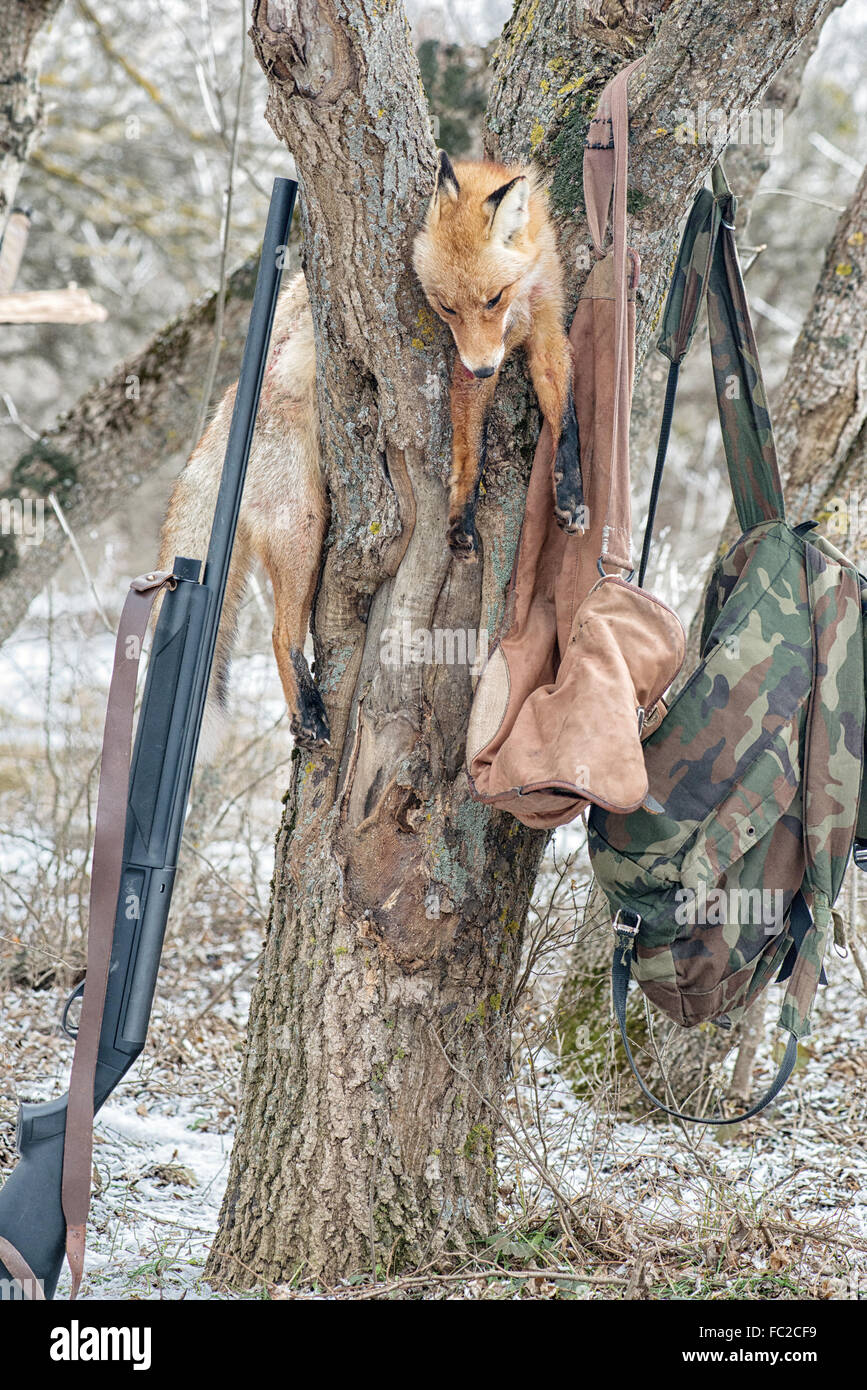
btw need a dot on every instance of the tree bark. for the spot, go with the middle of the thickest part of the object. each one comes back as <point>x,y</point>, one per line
<point>20,99</point>
<point>821,408</point>
<point>379,1030</point>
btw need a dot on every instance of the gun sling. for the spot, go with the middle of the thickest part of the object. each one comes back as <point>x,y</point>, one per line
<point>104,888</point>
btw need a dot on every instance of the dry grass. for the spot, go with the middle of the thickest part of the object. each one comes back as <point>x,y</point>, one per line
<point>596,1200</point>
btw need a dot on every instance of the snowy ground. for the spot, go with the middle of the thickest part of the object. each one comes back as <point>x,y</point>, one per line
<point>591,1205</point>
<point>778,1210</point>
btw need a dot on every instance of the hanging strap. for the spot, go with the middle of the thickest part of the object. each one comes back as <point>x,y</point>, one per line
<point>606,163</point>
<point>679,319</point>
<point>621,967</point>
<point>742,404</point>
<point>661,451</point>
<point>708,268</point>
<point>104,888</point>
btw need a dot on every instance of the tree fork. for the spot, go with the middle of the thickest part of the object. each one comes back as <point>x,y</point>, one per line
<point>379,1035</point>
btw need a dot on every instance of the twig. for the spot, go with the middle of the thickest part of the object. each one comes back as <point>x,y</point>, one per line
<point>221,878</point>
<point>801,197</point>
<point>82,564</point>
<point>211,372</point>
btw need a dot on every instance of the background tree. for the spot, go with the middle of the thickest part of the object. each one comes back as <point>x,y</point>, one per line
<point>21,109</point>
<point>379,1031</point>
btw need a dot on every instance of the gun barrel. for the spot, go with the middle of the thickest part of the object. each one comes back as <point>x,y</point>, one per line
<point>176,688</point>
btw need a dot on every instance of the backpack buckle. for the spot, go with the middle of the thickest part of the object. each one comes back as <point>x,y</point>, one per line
<point>859,854</point>
<point>627,921</point>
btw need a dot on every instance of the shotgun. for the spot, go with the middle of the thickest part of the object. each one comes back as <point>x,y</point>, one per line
<point>32,1220</point>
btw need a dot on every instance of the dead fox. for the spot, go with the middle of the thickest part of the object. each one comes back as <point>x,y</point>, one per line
<point>284,513</point>
<point>487,260</point>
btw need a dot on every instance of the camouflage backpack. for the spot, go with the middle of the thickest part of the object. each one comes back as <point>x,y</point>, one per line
<point>725,879</point>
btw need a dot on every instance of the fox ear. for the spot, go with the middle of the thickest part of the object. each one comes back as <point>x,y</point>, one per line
<point>447,185</point>
<point>508,209</point>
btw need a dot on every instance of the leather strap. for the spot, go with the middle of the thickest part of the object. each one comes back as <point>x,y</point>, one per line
<point>606,161</point>
<point>20,1270</point>
<point>104,888</point>
<point>621,968</point>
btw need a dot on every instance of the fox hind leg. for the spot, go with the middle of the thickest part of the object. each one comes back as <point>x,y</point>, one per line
<point>293,568</point>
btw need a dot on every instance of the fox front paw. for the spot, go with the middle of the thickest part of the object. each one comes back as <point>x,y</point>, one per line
<point>569,507</point>
<point>463,540</point>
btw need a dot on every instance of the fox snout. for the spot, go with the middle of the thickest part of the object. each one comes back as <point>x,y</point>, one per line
<point>480,359</point>
<point>480,370</point>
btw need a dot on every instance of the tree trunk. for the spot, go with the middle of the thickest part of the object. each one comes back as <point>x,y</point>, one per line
<point>821,408</point>
<point>20,98</point>
<point>379,1031</point>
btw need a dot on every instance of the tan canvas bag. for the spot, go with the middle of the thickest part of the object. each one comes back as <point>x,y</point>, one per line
<point>578,673</point>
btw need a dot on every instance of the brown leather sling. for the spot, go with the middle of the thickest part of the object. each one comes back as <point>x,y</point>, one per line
<point>577,675</point>
<point>105,875</point>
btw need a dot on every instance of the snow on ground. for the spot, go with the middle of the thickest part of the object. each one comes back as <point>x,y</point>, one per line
<point>774,1209</point>
<point>795,1182</point>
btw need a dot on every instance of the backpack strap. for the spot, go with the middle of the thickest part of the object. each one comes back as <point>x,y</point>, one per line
<point>748,435</point>
<point>679,319</point>
<point>708,268</point>
<point>621,968</point>
<point>605,167</point>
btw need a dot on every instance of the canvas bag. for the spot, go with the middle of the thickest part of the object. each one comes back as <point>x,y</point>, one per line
<point>576,677</point>
<point>756,771</point>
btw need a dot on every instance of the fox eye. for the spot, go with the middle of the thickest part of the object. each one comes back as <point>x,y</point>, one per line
<point>492,303</point>
<point>445,308</point>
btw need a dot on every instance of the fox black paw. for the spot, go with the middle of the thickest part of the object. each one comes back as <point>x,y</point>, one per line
<point>569,507</point>
<point>309,725</point>
<point>462,538</point>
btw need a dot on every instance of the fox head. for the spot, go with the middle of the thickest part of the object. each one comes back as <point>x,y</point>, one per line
<point>475,254</point>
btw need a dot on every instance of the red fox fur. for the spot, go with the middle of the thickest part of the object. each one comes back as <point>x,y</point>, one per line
<point>487,261</point>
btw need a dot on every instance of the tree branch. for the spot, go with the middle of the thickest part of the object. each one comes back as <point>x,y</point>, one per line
<point>97,455</point>
<point>20,99</point>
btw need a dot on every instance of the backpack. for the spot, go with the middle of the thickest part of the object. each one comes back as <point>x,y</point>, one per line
<point>725,879</point>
